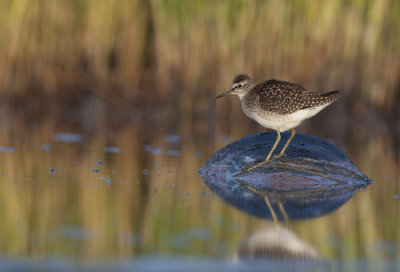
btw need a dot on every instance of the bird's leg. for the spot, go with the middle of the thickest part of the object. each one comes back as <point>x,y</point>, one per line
<point>274,216</point>
<point>278,138</point>
<point>282,153</point>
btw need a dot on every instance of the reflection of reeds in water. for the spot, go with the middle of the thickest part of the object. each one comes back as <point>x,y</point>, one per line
<point>74,213</point>
<point>68,49</point>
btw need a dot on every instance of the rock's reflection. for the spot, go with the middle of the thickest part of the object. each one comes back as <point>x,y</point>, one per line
<point>314,179</point>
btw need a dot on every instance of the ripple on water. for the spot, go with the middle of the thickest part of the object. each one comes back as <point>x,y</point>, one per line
<point>173,152</point>
<point>100,163</point>
<point>153,150</point>
<point>111,149</point>
<point>172,139</point>
<point>68,137</point>
<point>7,149</point>
<point>46,147</point>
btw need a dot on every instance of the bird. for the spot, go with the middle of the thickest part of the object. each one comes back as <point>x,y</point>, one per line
<point>278,105</point>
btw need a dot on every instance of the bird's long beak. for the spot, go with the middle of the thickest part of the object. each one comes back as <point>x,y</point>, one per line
<point>224,94</point>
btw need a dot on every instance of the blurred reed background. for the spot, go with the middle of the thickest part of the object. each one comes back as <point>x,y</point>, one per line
<point>62,55</point>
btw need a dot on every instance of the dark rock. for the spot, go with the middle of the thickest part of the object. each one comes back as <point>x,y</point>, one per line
<point>314,179</point>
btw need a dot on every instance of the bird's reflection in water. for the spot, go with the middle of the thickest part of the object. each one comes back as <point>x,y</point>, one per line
<point>315,179</point>
<point>275,243</point>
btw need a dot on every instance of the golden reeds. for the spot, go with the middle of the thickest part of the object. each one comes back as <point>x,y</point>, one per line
<point>67,49</point>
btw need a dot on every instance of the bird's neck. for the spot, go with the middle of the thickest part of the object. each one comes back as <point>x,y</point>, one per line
<point>241,95</point>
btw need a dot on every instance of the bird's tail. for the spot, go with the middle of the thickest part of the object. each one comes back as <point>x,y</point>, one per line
<point>331,96</point>
<point>317,99</point>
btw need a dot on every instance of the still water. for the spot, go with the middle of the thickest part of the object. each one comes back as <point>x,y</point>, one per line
<point>132,196</point>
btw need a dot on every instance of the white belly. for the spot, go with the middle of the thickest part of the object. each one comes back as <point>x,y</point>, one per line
<point>284,122</point>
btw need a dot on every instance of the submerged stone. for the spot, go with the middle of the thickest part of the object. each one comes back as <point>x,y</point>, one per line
<point>313,179</point>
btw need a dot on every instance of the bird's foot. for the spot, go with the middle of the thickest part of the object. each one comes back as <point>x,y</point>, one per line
<point>279,156</point>
<point>251,168</point>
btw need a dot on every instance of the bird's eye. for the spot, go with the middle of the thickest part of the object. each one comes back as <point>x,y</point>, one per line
<point>240,85</point>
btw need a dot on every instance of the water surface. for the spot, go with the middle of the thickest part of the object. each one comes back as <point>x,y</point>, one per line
<point>132,194</point>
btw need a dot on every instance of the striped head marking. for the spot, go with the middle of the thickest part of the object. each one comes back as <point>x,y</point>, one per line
<point>241,84</point>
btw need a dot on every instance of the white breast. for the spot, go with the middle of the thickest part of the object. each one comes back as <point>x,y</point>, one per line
<point>283,122</point>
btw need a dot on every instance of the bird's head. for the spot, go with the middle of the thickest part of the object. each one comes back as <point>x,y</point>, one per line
<point>241,85</point>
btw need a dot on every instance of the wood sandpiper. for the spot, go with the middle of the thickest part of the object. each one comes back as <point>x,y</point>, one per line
<point>278,105</point>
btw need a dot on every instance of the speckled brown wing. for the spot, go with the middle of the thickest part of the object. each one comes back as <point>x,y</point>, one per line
<point>279,96</point>
<point>312,99</point>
